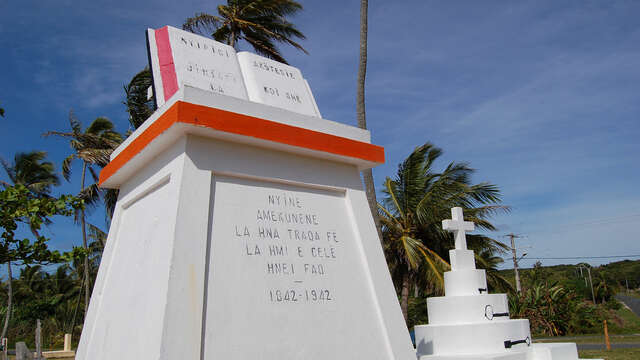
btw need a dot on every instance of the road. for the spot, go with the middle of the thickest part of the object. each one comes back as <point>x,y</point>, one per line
<point>632,302</point>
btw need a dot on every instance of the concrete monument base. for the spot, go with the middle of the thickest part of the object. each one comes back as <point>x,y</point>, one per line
<point>242,231</point>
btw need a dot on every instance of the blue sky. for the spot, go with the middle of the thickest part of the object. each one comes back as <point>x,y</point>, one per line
<point>542,98</point>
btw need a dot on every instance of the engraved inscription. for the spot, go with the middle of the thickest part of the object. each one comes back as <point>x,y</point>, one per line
<point>291,241</point>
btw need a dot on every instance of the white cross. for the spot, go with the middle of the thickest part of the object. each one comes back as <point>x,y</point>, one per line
<point>458,226</point>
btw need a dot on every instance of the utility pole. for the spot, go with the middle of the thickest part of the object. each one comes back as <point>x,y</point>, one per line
<point>593,296</point>
<point>513,236</point>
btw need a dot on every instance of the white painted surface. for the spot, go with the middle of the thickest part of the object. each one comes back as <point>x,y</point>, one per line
<point>154,66</point>
<point>212,299</point>
<point>273,83</point>
<point>465,282</point>
<point>143,246</point>
<point>458,226</point>
<point>279,256</point>
<point>462,259</point>
<point>555,351</point>
<point>466,309</point>
<point>471,338</point>
<point>125,306</point>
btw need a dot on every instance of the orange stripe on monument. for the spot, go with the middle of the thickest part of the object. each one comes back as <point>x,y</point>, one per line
<point>239,124</point>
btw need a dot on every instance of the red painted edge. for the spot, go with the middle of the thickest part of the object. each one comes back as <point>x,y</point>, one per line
<point>244,125</point>
<point>167,65</point>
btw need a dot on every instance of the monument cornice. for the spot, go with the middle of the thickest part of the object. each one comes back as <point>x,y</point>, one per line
<point>181,117</point>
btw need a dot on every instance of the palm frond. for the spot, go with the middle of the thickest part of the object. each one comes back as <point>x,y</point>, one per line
<point>139,107</point>
<point>202,24</point>
<point>258,22</point>
<point>90,195</point>
<point>74,123</point>
<point>94,175</point>
<point>100,125</point>
<point>31,170</point>
<point>110,197</point>
<point>66,166</point>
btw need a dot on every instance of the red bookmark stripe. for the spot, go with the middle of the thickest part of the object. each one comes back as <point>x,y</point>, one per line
<point>167,66</point>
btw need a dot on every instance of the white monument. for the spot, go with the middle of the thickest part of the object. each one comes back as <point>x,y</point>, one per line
<point>469,323</point>
<point>241,231</point>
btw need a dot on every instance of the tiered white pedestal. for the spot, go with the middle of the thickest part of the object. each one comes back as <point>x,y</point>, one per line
<point>469,323</point>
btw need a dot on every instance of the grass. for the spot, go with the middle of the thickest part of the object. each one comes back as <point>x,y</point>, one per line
<point>593,339</point>
<point>624,322</point>
<point>633,293</point>
<point>624,327</point>
<point>615,354</point>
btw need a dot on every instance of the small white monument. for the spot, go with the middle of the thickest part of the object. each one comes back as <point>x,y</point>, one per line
<point>468,323</point>
<point>241,231</point>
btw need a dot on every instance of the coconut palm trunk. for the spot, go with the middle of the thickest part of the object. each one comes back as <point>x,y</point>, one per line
<point>404,296</point>
<point>9,301</point>
<point>85,246</point>
<point>367,175</point>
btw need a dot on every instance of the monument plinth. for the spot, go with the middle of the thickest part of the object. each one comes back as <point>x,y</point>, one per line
<point>242,231</point>
<point>469,323</point>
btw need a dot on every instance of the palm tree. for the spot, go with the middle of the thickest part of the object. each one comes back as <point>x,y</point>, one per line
<point>258,22</point>
<point>139,107</point>
<point>367,174</point>
<point>28,169</point>
<point>93,146</point>
<point>416,201</point>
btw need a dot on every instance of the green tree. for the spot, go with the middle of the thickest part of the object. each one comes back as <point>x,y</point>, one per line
<point>139,107</point>
<point>258,22</point>
<point>18,205</point>
<point>553,310</point>
<point>93,146</point>
<point>537,275</point>
<point>37,176</point>
<point>51,297</point>
<point>413,208</point>
<point>604,289</point>
<point>30,170</point>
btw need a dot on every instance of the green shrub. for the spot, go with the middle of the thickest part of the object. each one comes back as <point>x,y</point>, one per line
<point>553,311</point>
